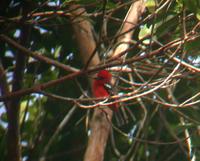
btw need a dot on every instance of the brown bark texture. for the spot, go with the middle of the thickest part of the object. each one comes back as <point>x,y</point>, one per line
<point>101,120</point>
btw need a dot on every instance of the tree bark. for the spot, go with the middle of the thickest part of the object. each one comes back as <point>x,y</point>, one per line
<point>101,121</point>
<point>13,133</point>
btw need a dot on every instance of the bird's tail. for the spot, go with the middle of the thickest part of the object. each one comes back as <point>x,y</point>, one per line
<point>121,116</point>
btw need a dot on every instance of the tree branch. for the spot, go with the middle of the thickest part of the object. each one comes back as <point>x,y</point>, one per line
<point>39,87</point>
<point>101,121</point>
<point>36,55</point>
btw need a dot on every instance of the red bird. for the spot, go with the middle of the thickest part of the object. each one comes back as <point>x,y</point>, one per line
<point>101,87</point>
<point>100,84</point>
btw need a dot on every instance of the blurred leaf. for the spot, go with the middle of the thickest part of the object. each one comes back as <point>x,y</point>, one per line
<point>57,51</point>
<point>198,14</point>
<point>192,5</point>
<point>193,47</point>
<point>145,31</point>
<point>151,5</point>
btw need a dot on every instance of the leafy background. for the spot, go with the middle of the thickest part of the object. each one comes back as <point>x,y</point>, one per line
<point>161,136</point>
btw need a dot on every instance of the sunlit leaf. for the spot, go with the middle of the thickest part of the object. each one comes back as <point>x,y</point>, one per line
<point>151,5</point>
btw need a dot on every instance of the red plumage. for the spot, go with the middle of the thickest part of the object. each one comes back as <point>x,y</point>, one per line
<point>100,89</point>
<point>99,85</point>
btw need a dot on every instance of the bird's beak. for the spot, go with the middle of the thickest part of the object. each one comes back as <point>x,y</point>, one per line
<point>97,78</point>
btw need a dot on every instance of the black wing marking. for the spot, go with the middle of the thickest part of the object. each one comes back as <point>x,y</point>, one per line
<point>109,88</point>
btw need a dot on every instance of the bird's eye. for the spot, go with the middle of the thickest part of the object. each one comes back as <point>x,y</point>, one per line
<point>100,78</point>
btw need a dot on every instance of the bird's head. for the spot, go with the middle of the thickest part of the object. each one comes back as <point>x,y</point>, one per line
<point>103,77</point>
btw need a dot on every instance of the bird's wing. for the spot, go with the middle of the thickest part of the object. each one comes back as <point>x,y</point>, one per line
<point>109,88</point>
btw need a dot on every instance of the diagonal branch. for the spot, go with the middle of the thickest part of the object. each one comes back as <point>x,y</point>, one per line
<point>100,126</point>
<point>39,87</point>
<point>36,55</point>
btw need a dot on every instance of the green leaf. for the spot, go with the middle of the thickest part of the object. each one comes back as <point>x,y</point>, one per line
<point>145,31</point>
<point>57,51</point>
<point>151,5</point>
<point>192,5</point>
<point>198,14</point>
